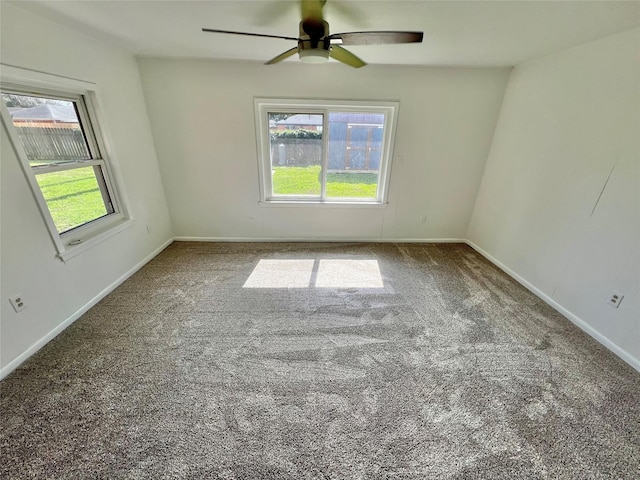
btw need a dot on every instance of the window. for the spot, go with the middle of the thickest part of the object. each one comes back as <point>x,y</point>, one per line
<point>54,136</point>
<point>324,152</point>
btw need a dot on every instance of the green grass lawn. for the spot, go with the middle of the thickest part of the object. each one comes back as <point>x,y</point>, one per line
<point>305,181</point>
<point>73,197</point>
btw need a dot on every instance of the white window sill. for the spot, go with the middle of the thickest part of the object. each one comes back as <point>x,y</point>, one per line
<point>320,204</point>
<point>91,239</point>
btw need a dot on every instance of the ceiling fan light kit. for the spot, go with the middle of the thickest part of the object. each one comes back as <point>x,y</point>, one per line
<point>314,56</point>
<point>316,44</point>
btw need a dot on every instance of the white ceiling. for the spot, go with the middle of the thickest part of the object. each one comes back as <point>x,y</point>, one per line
<point>460,33</point>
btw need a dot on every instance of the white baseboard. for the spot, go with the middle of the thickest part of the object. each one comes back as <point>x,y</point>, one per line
<point>581,324</point>
<point>16,362</point>
<point>320,240</point>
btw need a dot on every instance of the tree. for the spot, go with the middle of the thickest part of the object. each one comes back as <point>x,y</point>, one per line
<point>276,117</point>
<point>26,101</point>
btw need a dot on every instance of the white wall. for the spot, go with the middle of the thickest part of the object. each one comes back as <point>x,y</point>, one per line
<point>55,291</point>
<point>559,204</point>
<point>203,124</point>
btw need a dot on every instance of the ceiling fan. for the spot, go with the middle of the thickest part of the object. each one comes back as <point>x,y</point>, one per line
<point>316,44</point>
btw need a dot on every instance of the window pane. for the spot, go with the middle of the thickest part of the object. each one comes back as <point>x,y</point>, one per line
<point>296,153</point>
<point>48,128</point>
<point>355,145</point>
<point>74,196</point>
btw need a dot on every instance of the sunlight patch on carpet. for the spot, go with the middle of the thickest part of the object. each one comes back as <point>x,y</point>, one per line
<point>349,274</point>
<point>330,273</point>
<point>280,274</point>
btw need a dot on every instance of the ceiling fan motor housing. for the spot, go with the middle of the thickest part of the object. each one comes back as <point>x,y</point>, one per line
<point>314,43</point>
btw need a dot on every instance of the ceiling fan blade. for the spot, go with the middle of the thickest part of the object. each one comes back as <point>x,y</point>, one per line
<point>213,30</point>
<point>345,56</point>
<point>282,56</point>
<point>347,10</point>
<point>312,10</point>
<point>269,12</point>
<point>313,24</point>
<point>376,38</point>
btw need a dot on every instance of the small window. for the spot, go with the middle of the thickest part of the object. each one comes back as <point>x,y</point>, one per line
<point>325,152</point>
<point>54,136</point>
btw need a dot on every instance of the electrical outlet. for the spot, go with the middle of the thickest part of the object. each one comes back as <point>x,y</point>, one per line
<point>614,299</point>
<point>423,219</point>
<point>17,302</point>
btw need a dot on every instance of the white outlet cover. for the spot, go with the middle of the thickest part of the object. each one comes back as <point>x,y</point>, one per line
<point>18,303</point>
<point>614,299</point>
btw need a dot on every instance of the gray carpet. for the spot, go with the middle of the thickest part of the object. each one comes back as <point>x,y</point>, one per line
<point>451,370</point>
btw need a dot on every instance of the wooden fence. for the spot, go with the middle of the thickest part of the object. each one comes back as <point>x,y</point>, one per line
<point>50,143</point>
<point>296,152</point>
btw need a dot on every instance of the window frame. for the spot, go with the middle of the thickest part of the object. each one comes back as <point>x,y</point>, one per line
<point>264,106</point>
<point>85,96</point>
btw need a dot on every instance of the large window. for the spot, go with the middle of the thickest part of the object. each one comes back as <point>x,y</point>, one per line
<point>324,152</point>
<point>54,136</point>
